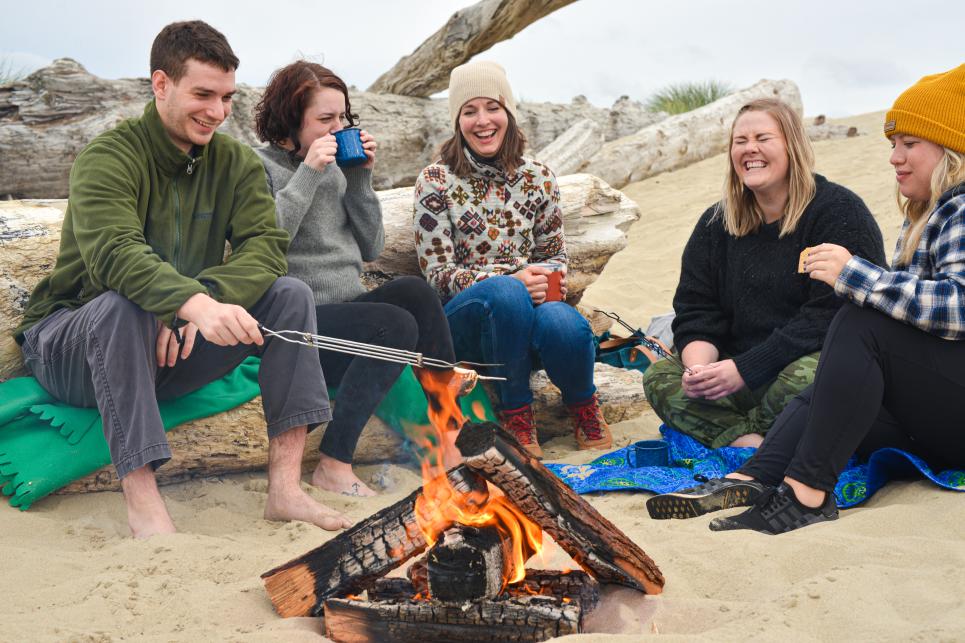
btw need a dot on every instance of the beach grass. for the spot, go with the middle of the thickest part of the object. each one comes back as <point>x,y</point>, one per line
<point>678,98</point>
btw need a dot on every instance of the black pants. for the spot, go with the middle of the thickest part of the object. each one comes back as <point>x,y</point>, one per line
<point>879,383</point>
<point>405,313</point>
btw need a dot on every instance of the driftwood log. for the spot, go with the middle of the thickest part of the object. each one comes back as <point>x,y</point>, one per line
<point>573,148</point>
<point>467,564</point>
<point>682,139</point>
<point>48,117</point>
<point>595,543</point>
<point>522,619</point>
<point>468,32</point>
<point>354,559</point>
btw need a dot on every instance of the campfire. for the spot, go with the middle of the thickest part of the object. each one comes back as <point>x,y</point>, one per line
<point>478,525</point>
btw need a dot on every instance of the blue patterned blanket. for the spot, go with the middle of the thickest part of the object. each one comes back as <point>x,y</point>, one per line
<point>687,457</point>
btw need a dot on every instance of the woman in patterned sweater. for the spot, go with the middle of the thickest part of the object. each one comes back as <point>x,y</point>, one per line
<point>891,373</point>
<point>484,218</point>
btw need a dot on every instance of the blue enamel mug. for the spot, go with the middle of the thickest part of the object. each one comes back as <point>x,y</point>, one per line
<point>649,453</point>
<point>350,152</point>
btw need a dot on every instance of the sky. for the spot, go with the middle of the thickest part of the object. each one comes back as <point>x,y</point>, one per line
<point>846,56</point>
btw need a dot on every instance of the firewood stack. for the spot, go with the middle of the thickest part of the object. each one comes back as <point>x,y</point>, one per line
<point>459,590</point>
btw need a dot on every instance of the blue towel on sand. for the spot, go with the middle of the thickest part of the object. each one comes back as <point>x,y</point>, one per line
<point>687,457</point>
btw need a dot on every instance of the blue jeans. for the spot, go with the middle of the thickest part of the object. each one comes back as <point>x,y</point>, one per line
<point>495,321</point>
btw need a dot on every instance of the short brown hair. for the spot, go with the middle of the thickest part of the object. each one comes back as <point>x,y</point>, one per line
<point>180,41</point>
<point>278,115</point>
<point>509,157</point>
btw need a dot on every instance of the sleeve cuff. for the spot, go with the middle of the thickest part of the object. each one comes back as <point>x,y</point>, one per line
<point>856,280</point>
<point>358,177</point>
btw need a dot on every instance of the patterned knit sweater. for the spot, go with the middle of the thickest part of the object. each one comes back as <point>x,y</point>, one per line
<point>486,224</point>
<point>334,219</point>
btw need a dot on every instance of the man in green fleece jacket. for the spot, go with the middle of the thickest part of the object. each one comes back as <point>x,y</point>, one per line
<point>141,304</point>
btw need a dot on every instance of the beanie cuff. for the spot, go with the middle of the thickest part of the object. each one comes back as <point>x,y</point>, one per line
<point>900,121</point>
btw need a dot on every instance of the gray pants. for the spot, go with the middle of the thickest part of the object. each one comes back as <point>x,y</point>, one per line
<point>104,354</point>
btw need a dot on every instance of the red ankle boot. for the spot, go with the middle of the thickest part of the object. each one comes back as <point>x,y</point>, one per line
<point>592,431</point>
<point>521,424</point>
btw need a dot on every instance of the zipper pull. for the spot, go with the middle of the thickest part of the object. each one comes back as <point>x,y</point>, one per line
<point>191,166</point>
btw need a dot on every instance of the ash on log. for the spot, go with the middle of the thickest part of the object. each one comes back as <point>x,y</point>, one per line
<point>354,559</point>
<point>524,619</point>
<point>468,564</point>
<point>576,586</point>
<point>595,543</point>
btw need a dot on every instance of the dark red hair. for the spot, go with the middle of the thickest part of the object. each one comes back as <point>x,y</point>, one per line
<point>278,115</point>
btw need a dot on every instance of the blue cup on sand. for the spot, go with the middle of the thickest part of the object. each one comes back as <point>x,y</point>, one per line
<point>350,152</point>
<point>649,453</point>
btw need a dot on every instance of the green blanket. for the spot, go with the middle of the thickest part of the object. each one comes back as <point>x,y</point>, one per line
<point>45,445</point>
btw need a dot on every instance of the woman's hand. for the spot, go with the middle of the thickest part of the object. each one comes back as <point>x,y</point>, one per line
<point>321,152</point>
<point>536,282</point>
<point>368,145</point>
<point>825,262</point>
<point>713,381</point>
<point>563,281</point>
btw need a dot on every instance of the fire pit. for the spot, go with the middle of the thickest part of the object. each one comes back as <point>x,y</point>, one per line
<point>479,524</point>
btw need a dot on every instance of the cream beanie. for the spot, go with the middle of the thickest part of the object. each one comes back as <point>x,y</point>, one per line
<point>481,79</point>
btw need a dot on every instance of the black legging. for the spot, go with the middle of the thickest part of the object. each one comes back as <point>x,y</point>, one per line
<point>879,383</point>
<point>405,313</point>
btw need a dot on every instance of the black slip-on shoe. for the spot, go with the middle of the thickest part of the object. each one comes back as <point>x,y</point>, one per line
<point>778,512</point>
<point>713,495</point>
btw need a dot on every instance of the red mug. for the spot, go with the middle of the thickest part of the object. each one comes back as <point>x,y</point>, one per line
<point>554,292</point>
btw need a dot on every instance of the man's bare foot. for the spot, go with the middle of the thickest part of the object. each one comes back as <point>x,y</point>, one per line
<point>451,457</point>
<point>750,440</point>
<point>147,514</point>
<point>337,476</point>
<point>295,504</point>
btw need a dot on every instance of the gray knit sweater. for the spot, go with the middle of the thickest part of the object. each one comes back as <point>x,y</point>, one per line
<point>334,219</point>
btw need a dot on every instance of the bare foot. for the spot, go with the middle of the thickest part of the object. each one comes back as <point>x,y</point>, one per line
<point>451,457</point>
<point>334,475</point>
<point>738,476</point>
<point>295,504</point>
<point>147,514</point>
<point>750,440</point>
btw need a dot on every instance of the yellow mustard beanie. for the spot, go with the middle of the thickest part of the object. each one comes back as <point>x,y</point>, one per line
<point>933,108</point>
<point>480,79</point>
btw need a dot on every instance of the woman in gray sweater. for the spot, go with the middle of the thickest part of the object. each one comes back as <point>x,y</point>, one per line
<point>335,222</point>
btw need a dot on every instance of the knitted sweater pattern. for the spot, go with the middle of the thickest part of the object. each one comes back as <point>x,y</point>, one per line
<point>745,296</point>
<point>334,219</point>
<point>489,223</point>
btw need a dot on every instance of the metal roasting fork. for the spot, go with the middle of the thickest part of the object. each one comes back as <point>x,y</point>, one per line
<point>372,351</point>
<point>646,341</point>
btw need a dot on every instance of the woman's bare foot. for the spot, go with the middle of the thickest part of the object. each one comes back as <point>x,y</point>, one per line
<point>334,475</point>
<point>295,504</point>
<point>147,514</point>
<point>738,476</point>
<point>807,496</point>
<point>750,440</point>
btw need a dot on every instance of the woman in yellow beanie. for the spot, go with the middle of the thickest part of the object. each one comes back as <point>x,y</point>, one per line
<point>892,372</point>
<point>489,235</point>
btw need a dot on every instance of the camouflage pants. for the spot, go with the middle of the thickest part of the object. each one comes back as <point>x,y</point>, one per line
<point>718,423</point>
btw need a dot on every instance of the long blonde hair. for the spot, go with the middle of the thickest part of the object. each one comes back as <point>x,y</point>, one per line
<point>949,172</point>
<point>738,206</point>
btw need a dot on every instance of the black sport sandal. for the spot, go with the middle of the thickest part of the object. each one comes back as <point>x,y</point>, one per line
<point>778,512</point>
<point>713,495</point>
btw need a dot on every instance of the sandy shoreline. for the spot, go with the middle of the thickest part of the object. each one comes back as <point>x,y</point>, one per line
<point>890,570</point>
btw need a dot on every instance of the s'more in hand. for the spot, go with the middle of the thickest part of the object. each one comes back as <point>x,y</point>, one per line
<point>802,258</point>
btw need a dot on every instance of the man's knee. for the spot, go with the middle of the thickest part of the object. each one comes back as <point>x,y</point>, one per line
<point>291,289</point>
<point>114,311</point>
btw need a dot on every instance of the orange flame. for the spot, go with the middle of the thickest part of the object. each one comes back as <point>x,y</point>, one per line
<point>440,506</point>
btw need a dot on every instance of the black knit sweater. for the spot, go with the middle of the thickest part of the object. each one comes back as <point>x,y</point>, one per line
<point>745,296</point>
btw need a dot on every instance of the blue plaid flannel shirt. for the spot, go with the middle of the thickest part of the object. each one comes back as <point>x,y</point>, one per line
<point>929,293</point>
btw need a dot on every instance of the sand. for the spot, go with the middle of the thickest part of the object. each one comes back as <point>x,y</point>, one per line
<point>893,569</point>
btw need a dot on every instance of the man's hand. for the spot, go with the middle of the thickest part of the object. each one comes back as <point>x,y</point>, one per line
<point>167,344</point>
<point>713,381</point>
<point>536,282</point>
<point>825,262</point>
<point>221,324</point>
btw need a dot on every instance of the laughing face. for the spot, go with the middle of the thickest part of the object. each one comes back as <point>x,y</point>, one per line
<point>483,123</point>
<point>192,108</point>
<point>759,154</point>
<point>914,160</point>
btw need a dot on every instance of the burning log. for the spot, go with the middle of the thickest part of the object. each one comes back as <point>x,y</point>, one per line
<point>575,586</point>
<point>468,564</point>
<point>526,618</point>
<point>595,543</point>
<point>351,561</point>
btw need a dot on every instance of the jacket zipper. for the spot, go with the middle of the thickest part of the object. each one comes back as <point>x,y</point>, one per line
<point>177,225</point>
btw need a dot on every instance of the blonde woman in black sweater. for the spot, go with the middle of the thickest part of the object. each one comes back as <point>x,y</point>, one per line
<point>748,326</point>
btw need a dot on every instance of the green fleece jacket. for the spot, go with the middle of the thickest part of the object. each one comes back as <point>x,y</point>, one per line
<point>150,222</point>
